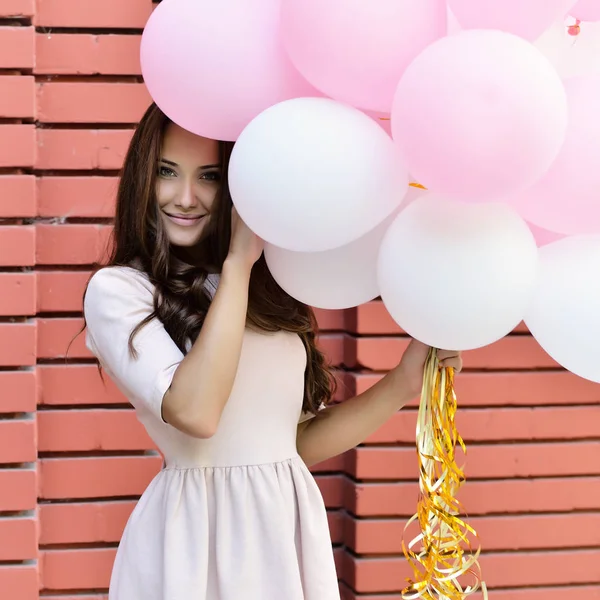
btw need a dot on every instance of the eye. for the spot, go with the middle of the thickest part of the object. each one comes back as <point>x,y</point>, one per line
<point>213,176</point>
<point>166,172</point>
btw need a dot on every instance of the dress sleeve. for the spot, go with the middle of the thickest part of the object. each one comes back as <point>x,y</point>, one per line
<point>117,300</point>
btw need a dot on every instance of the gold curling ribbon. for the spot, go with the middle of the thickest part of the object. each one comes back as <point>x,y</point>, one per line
<point>442,555</point>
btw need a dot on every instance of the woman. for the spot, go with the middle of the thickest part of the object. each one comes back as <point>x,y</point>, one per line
<point>224,372</point>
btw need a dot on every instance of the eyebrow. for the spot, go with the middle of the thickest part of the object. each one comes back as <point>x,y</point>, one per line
<point>174,164</point>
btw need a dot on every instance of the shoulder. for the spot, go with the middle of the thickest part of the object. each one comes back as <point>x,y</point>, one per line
<point>117,291</point>
<point>118,280</point>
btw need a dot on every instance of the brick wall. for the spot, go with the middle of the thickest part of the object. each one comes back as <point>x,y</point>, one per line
<point>73,458</point>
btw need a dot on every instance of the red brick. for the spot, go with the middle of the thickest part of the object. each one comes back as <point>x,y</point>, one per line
<point>497,461</point>
<point>17,145</point>
<point>17,45</point>
<point>17,196</point>
<point>76,385</point>
<point>17,294</point>
<point>87,54</point>
<point>479,497</point>
<point>372,318</point>
<point>71,244</point>
<point>95,14</point>
<point>527,388</point>
<point>86,523</point>
<point>106,477</point>
<point>77,569</point>
<point>369,575</point>
<point>17,8</point>
<point>486,425</point>
<point>17,97</point>
<point>17,441</point>
<point>17,246</point>
<point>81,149</point>
<point>18,344</point>
<point>77,102</point>
<point>91,430</point>
<point>19,392</point>
<point>336,527</point>
<point>19,582</point>
<point>19,491</point>
<point>333,345</point>
<point>331,489</point>
<point>523,532</point>
<point>61,291</point>
<point>512,352</point>
<point>77,196</point>
<point>331,465</point>
<point>331,320</point>
<point>55,336</point>
<point>22,533</point>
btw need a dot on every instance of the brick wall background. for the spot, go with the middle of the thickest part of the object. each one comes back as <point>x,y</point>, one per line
<point>73,458</point>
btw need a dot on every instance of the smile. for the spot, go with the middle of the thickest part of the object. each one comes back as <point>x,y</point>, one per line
<point>185,220</point>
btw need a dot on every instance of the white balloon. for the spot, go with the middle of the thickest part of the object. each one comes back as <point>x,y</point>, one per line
<point>457,275</point>
<point>312,174</point>
<point>563,316</point>
<point>341,278</point>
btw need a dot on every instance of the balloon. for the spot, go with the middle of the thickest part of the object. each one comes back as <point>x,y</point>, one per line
<point>563,315</point>
<point>526,18</point>
<point>341,278</point>
<point>356,51</point>
<point>587,10</point>
<point>480,114</point>
<point>566,199</point>
<point>573,49</point>
<point>543,237</point>
<point>457,275</point>
<point>213,66</point>
<point>313,174</point>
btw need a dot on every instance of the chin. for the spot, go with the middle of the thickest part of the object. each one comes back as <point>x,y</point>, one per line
<point>185,241</point>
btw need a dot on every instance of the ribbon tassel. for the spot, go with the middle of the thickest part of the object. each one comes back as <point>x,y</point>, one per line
<point>443,557</point>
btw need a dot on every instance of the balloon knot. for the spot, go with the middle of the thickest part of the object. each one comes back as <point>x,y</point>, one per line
<point>574,30</point>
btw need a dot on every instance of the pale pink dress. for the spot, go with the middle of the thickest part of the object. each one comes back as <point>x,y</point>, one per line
<point>234,517</point>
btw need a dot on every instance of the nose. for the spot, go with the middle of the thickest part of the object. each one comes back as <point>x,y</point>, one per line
<point>188,199</point>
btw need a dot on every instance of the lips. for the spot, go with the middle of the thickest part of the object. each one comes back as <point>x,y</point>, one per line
<point>185,220</point>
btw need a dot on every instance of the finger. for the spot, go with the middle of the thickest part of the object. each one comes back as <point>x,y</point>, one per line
<point>452,363</point>
<point>445,354</point>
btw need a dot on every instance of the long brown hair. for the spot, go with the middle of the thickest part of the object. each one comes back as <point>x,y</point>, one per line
<point>181,300</point>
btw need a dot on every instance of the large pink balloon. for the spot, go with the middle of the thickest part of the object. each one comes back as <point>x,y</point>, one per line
<point>212,66</point>
<point>480,114</point>
<point>356,50</point>
<point>526,18</point>
<point>567,198</point>
<point>587,10</point>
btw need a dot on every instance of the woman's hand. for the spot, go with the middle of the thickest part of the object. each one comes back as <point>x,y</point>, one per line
<point>411,367</point>
<point>245,246</point>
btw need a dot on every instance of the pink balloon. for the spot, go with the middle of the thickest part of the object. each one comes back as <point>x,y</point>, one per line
<point>214,66</point>
<point>526,18</point>
<point>356,50</point>
<point>567,198</point>
<point>587,10</point>
<point>480,114</point>
<point>543,237</point>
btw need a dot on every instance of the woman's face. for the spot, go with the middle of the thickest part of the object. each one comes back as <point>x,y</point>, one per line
<point>189,177</point>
